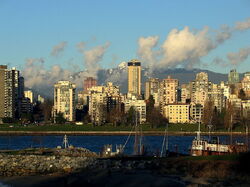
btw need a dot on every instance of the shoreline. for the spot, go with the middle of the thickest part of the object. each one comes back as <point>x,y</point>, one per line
<point>114,133</point>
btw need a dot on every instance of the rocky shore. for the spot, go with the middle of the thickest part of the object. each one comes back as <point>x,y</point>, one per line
<point>80,167</point>
<point>44,161</point>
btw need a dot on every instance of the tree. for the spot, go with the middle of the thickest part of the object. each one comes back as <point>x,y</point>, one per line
<point>100,115</point>
<point>26,118</point>
<point>208,112</point>
<point>130,116</point>
<point>156,119</point>
<point>244,118</point>
<point>8,120</point>
<point>46,108</point>
<point>229,116</point>
<point>115,116</point>
<point>59,119</point>
<point>242,94</point>
<point>233,89</point>
<point>149,107</point>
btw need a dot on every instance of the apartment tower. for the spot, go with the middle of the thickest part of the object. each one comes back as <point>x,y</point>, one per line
<point>89,82</point>
<point>134,78</point>
<point>64,99</point>
<point>9,92</point>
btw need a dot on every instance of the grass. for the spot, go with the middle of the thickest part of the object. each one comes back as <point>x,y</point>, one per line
<point>106,127</point>
<point>90,127</point>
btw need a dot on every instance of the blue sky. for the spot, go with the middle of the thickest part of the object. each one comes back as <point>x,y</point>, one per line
<point>30,29</point>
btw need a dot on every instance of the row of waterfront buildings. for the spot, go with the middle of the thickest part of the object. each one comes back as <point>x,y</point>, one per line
<point>178,103</point>
<point>183,103</point>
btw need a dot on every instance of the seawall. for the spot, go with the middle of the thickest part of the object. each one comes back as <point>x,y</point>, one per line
<point>116,133</point>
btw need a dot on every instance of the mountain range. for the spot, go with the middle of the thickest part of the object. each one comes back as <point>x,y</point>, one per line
<point>119,76</point>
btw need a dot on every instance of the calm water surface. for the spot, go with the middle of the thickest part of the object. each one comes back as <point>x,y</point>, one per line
<point>95,143</point>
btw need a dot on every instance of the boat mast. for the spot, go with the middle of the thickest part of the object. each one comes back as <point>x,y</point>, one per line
<point>231,133</point>
<point>136,151</point>
<point>247,135</point>
<point>65,142</point>
<point>165,141</point>
<point>199,128</point>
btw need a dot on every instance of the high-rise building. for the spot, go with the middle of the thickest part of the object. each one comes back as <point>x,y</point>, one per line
<point>245,84</point>
<point>29,94</point>
<point>89,82</point>
<point>139,106</point>
<point>21,87</point>
<point>199,88</point>
<point>64,99</point>
<point>233,77</point>
<point>134,78</point>
<point>103,99</point>
<point>185,93</point>
<point>168,91</point>
<point>40,99</point>
<point>9,92</point>
<point>152,86</point>
<point>3,70</point>
<point>216,95</point>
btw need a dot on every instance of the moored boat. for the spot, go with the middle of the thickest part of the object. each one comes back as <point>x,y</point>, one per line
<point>203,147</point>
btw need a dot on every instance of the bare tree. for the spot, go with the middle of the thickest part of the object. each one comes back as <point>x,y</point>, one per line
<point>208,113</point>
<point>115,116</point>
<point>229,116</point>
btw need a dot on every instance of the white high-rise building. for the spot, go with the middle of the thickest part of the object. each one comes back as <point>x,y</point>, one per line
<point>29,94</point>
<point>64,99</point>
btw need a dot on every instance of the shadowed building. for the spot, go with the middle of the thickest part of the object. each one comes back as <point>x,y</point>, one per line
<point>9,92</point>
<point>152,87</point>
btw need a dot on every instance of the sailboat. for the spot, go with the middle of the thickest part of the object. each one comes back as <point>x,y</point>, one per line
<point>164,147</point>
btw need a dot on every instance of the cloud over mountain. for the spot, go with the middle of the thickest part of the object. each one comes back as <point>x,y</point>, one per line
<point>92,58</point>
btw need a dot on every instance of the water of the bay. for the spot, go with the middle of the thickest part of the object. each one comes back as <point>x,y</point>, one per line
<point>153,144</point>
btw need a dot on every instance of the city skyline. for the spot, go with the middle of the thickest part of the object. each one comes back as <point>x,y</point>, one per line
<point>50,41</point>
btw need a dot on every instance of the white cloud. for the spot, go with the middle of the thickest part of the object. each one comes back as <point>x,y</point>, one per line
<point>92,58</point>
<point>185,47</point>
<point>59,48</point>
<point>81,46</point>
<point>235,58</point>
<point>243,25</point>
<point>145,51</point>
<point>223,34</point>
<point>42,79</point>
